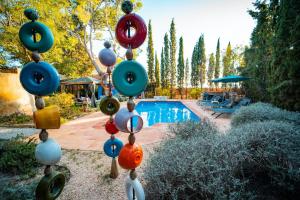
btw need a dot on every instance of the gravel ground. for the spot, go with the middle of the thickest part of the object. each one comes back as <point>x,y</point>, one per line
<point>7,133</point>
<point>90,176</point>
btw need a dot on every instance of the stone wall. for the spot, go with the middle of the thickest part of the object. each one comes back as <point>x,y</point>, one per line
<point>13,98</point>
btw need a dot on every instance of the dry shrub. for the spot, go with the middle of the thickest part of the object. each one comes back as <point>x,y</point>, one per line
<point>259,160</point>
<point>262,112</point>
<point>192,128</point>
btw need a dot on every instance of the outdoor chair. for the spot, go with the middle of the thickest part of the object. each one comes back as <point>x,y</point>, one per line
<point>229,109</point>
<point>217,104</point>
<point>215,98</point>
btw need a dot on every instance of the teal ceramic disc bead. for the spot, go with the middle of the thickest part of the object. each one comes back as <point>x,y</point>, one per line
<point>40,78</point>
<point>26,36</point>
<point>130,78</point>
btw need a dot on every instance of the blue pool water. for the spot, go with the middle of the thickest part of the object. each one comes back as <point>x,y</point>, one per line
<point>164,112</point>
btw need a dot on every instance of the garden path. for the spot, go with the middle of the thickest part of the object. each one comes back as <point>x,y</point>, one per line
<point>88,133</point>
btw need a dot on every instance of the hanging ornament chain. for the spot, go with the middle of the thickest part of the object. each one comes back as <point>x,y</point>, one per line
<point>130,101</point>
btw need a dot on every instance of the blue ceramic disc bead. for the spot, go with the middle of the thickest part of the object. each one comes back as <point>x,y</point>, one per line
<point>40,78</point>
<point>26,36</point>
<point>108,147</point>
<point>130,78</point>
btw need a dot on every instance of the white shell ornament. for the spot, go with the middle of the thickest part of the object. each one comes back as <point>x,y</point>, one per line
<point>48,152</point>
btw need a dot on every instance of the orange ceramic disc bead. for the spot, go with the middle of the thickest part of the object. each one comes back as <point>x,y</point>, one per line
<point>130,156</point>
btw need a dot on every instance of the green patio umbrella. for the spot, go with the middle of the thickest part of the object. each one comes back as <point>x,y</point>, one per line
<point>230,79</point>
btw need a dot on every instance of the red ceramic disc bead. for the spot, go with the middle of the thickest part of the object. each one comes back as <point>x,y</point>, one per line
<point>110,127</point>
<point>140,27</point>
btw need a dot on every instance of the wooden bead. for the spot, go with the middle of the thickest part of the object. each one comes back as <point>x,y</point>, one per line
<point>114,172</point>
<point>130,105</point>
<point>129,54</point>
<point>131,139</point>
<point>133,174</point>
<point>36,57</point>
<point>47,170</point>
<point>43,135</point>
<point>108,70</point>
<point>39,103</point>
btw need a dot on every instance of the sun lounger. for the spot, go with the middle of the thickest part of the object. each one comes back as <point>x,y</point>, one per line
<point>230,110</point>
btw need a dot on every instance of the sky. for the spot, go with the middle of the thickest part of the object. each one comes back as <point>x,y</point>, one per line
<point>227,19</point>
<point>224,19</point>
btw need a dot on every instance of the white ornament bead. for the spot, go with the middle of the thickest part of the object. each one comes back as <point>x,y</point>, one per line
<point>48,152</point>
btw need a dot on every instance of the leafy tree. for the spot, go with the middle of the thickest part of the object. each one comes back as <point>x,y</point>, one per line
<point>157,71</point>
<point>218,60</point>
<point>150,54</point>
<point>259,56</point>
<point>167,71</point>
<point>238,58</point>
<point>285,68</point>
<point>211,68</point>
<point>228,61</point>
<point>180,67</point>
<point>172,56</point>
<point>201,60</point>
<point>94,16</point>
<point>75,24</point>
<point>55,15</point>
<point>162,69</point>
<point>186,76</point>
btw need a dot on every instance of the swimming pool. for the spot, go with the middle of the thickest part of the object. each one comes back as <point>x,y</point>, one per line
<point>154,112</point>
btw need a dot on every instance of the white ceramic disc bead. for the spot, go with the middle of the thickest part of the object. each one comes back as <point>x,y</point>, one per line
<point>138,189</point>
<point>107,57</point>
<point>122,120</point>
<point>48,152</point>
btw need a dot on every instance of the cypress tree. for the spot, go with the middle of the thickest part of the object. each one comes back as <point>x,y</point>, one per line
<point>195,68</point>
<point>157,71</point>
<point>162,69</point>
<point>186,77</point>
<point>167,61</point>
<point>227,61</point>
<point>150,54</point>
<point>180,67</point>
<point>172,56</point>
<point>211,68</point>
<point>201,60</point>
<point>218,59</point>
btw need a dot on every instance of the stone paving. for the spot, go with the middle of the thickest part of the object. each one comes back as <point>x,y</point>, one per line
<point>7,133</point>
<point>88,133</point>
